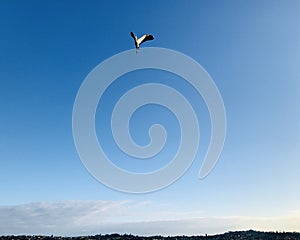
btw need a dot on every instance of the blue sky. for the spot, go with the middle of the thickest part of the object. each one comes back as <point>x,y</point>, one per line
<point>251,50</point>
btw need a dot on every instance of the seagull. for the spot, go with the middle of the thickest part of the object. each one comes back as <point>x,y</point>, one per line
<point>139,41</point>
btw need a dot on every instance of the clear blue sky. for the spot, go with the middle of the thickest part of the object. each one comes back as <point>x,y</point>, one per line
<point>250,48</point>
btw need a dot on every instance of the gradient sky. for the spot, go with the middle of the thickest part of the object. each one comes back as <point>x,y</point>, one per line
<point>250,48</point>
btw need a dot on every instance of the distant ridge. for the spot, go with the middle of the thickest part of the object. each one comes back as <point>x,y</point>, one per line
<point>245,235</point>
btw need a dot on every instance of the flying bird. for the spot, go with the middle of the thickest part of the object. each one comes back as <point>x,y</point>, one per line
<point>139,41</point>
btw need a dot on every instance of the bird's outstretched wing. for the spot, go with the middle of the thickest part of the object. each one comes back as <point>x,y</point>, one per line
<point>135,40</point>
<point>144,38</point>
<point>133,36</point>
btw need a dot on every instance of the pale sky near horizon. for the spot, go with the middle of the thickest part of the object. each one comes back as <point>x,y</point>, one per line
<point>251,50</point>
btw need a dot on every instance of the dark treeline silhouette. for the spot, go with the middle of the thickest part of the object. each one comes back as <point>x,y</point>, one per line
<point>245,235</point>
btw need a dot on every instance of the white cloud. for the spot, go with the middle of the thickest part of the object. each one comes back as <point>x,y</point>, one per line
<point>142,218</point>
